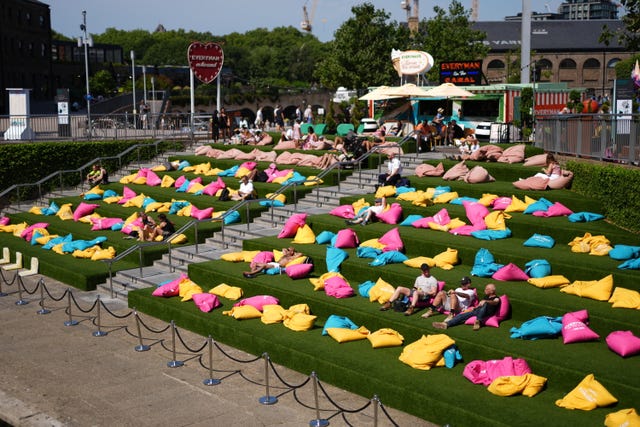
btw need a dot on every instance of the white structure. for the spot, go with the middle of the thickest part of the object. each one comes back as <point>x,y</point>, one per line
<point>20,116</point>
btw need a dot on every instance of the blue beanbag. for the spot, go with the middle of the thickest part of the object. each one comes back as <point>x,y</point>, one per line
<point>585,217</point>
<point>109,193</point>
<point>540,327</point>
<point>624,252</point>
<point>273,271</point>
<point>538,268</point>
<point>401,190</point>
<point>276,203</point>
<point>365,288</point>
<point>229,172</point>
<point>483,256</point>
<point>177,205</point>
<point>51,210</point>
<point>491,234</point>
<point>630,264</point>
<point>335,256</point>
<point>410,219</point>
<point>368,252</point>
<point>117,226</point>
<point>183,164</point>
<point>485,270</point>
<point>441,189</point>
<point>390,257</point>
<point>36,235</point>
<point>232,217</point>
<point>147,201</point>
<point>541,205</point>
<point>335,321</point>
<point>92,196</point>
<point>57,240</point>
<point>185,185</point>
<point>540,241</point>
<point>325,237</point>
<point>296,178</point>
<point>459,200</point>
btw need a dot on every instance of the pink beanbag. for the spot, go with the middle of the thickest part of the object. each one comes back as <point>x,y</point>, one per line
<point>456,172</point>
<point>257,301</point>
<point>466,230</point>
<point>153,179</point>
<point>391,215</point>
<point>127,194</point>
<point>346,238</point>
<point>206,302</point>
<point>180,181</point>
<point>532,183</point>
<point>27,233</point>
<point>262,257</point>
<point>475,212</point>
<point>344,211</point>
<point>624,343</point>
<point>170,289</point>
<point>201,213</point>
<point>510,272</point>
<point>429,170</point>
<point>299,271</point>
<point>494,321</point>
<point>392,240</point>
<point>104,223</point>
<point>513,154</point>
<point>557,209</point>
<point>537,160</point>
<point>478,174</point>
<point>337,287</point>
<point>501,203</point>
<point>294,222</point>
<point>84,209</point>
<point>575,329</point>
<point>484,372</point>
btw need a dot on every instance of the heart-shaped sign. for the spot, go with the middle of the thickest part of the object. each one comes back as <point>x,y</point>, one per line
<point>205,60</point>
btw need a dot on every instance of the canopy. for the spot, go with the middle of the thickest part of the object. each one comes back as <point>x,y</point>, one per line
<point>448,90</point>
<point>406,90</point>
<point>377,94</point>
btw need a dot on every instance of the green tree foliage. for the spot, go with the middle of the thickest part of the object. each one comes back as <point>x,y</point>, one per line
<point>360,54</point>
<point>102,83</point>
<point>630,36</point>
<point>330,120</point>
<point>449,37</point>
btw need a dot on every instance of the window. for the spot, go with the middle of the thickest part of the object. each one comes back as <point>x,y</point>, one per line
<point>592,63</point>
<point>567,64</point>
<point>496,64</point>
<point>612,62</point>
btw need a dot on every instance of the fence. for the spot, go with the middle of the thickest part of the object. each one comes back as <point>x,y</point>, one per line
<point>606,137</point>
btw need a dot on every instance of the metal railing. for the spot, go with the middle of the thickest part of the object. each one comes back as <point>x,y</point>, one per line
<point>607,137</point>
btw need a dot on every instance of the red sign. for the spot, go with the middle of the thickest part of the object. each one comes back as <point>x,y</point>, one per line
<point>205,60</point>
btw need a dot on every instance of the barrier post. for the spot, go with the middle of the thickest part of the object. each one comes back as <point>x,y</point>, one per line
<point>99,332</point>
<point>141,346</point>
<point>20,300</point>
<point>376,403</point>
<point>174,363</point>
<point>318,422</point>
<point>42,310</point>
<point>71,321</point>
<point>211,380</point>
<point>267,399</point>
<point>2,294</point>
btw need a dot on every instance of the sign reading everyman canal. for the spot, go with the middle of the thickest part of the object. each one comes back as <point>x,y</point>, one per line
<point>461,73</point>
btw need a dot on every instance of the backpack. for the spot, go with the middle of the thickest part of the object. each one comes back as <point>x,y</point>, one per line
<point>403,182</point>
<point>224,195</point>
<point>401,304</point>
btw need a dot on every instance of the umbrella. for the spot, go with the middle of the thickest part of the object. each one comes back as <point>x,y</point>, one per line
<point>406,90</point>
<point>377,95</point>
<point>448,90</point>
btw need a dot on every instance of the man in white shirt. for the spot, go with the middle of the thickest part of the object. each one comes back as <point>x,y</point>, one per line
<point>454,301</point>
<point>245,191</point>
<point>425,287</point>
<point>394,171</point>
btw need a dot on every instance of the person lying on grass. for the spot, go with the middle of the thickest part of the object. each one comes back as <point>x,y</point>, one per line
<point>425,287</point>
<point>288,255</point>
<point>454,301</point>
<point>486,308</point>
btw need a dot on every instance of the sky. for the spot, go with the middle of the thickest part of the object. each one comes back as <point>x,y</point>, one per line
<point>221,17</point>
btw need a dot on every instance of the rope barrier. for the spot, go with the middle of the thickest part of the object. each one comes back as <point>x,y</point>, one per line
<point>210,344</point>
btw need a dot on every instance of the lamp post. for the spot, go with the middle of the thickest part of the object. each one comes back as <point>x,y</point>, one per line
<point>86,41</point>
<point>133,81</point>
<point>153,103</point>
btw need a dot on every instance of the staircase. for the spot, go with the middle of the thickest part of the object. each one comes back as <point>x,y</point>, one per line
<point>320,201</point>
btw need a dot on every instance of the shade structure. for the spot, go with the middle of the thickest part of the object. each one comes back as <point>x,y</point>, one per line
<point>448,90</point>
<point>407,90</point>
<point>377,95</point>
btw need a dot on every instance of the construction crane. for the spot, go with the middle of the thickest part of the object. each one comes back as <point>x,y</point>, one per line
<point>307,19</point>
<point>412,14</point>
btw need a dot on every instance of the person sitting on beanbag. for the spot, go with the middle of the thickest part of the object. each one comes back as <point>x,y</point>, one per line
<point>486,308</point>
<point>454,301</point>
<point>366,215</point>
<point>288,255</point>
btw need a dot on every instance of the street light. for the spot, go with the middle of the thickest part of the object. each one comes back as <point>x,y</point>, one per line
<point>86,41</point>
<point>133,80</point>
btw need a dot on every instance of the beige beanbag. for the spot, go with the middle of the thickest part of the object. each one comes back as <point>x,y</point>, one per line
<point>513,154</point>
<point>456,172</point>
<point>429,170</point>
<point>478,174</point>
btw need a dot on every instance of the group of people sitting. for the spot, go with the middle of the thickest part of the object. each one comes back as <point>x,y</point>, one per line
<point>151,230</point>
<point>97,175</point>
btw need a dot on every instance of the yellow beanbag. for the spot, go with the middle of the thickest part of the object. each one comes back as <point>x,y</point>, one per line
<point>129,178</point>
<point>487,199</point>
<point>153,206</point>
<point>135,201</point>
<point>318,284</point>
<point>516,205</point>
<point>496,220</point>
<point>177,240</point>
<point>595,289</point>
<point>233,256</point>
<point>65,213</point>
<point>298,321</point>
<point>141,180</point>
<point>195,187</point>
<point>96,190</point>
<point>167,181</point>
<point>588,395</point>
<point>359,204</point>
<point>202,168</point>
<point>19,228</point>
<point>418,261</point>
<point>623,417</point>
<point>304,235</point>
<point>386,191</point>
<point>373,243</point>
<point>345,334</point>
<point>36,210</point>
<point>446,197</point>
<point>455,223</point>
<point>187,289</point>
<point>426,352</point>
<point>313,180</point>
<point>108,253</point>
<point>447,259</point>
<point>280,197</point>
<point>243,312</point>
<point>300,308</point>
<point>528,385</point>
<point>381,291</point>
<point>112,200</point>
<point>229,292</point>
<point>272,313</point>
<point>549,281</point>
<point>385,337</point>
<point>43,240</point>
<point>625,298</point>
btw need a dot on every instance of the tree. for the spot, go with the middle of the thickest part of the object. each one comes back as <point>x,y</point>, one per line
<point>449,37</point>
<point>360,54</point>
<point>630,36</point>
<point>102,83</point>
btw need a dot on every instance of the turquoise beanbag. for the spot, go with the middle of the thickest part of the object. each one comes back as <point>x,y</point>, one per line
<point>335,321</point>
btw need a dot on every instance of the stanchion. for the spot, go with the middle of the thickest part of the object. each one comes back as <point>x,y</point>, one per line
<point>141,346</point>
<point>376,403</point>
<point>211,380</point>
<point>267,399</point>
<point>99,332</point>
<point>71,321</point>
<point>174,363</point>
<point>2,294</point>
<point>318,422</point>
<point>20,300</point>
<point>42,310</point>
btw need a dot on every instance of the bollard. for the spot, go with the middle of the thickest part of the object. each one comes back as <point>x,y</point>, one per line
<point>210,380</point>
<point>2,294</point>
<point>141,346</point>
<point>71,321</point>
<point>42,310</point>
<point>174,363</point>
<point>20,300</point>
<point>376,403</point>
<point>99,332</point>
<point>267,399</point>
<point>318,422</point>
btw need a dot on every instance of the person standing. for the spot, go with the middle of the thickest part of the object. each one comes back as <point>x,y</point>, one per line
<point>224,124</point>
<point>308,114</point>
<point>299,113</point>
<point>278,118</point>
<point>259,122</point>
<point>486,308</point>
<point>215,126</point>
<point>424,287</point>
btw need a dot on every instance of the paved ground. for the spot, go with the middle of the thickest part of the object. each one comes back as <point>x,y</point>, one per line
<point>57,375</point>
